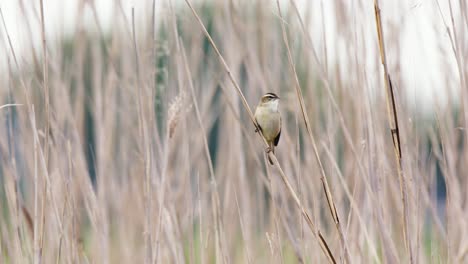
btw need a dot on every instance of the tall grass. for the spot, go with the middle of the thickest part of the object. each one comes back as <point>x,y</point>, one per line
<point>137,145</point>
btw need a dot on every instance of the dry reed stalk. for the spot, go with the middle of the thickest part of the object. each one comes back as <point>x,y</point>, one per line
<point>323,244</point>
<point>442,156</point>
<point>45,83</point>
<point>275,214</point>
<point>300,182</point>
<point>36,257</point>
<point>182,59</point>
<point>49,199</point>
<point>199,205</point>
<point>16,198</point>
<point>394,129</point>
<point>161,198</point>
<point>247,253</point>
<point>15,59</point>
<point>457,51</point>
<point>324,77</point>
<point>9,105</point>
<point>215,196</point>
<point>47,194</point>
<point>65,202</point>
<point>353,203</point>
<point>145,144</point>
<point>323,178</point>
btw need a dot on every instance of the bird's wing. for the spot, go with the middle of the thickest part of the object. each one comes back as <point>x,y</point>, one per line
<point>278,136</point>
<point>258,125</point>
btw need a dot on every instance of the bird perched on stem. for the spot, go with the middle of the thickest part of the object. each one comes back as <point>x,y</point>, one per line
<point>268,119</point>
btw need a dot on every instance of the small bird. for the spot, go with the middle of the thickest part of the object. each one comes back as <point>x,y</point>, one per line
<point>268,119</point>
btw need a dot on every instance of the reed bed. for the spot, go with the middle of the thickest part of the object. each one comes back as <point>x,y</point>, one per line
<point>137,144</point>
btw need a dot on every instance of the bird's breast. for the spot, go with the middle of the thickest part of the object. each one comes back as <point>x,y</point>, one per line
<point>269,121</point>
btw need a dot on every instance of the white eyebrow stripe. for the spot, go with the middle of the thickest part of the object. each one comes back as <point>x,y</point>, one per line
<point>270,96</point>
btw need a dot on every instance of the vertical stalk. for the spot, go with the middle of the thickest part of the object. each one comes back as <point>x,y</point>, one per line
<point>394,127</point>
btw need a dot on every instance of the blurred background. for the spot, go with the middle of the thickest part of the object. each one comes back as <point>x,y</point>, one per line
<point>124,140</point>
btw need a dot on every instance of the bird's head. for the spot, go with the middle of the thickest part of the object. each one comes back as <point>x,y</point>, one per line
<point>270,100</point>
